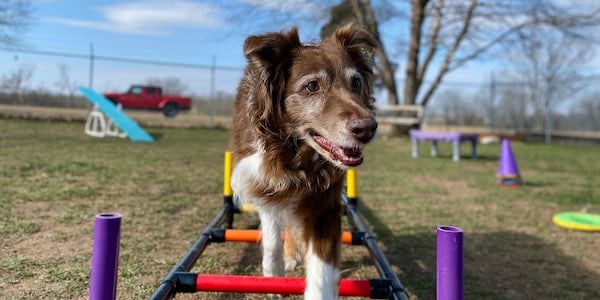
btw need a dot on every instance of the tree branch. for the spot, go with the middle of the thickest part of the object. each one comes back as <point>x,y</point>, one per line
<point>365,16</point>
<point>433,42</point>
<point>450,54</point>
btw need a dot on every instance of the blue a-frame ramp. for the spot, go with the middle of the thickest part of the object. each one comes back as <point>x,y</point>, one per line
<point>120,119</point>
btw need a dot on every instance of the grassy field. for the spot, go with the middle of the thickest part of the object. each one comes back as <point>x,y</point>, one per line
<point>54,179</point>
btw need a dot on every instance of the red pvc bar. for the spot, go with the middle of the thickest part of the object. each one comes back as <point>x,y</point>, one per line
<point>273,285</point>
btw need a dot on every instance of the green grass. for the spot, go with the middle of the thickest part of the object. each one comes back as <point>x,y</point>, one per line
<point>54,179</point>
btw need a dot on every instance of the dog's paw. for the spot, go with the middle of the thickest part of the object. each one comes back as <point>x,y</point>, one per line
<point>290,264</point>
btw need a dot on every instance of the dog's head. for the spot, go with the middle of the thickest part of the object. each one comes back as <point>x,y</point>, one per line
<point>319,94</point>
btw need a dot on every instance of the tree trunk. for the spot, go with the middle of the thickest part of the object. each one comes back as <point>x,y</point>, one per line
<point>445,67</point>
<point>364,15</point>
<point>411,84</point>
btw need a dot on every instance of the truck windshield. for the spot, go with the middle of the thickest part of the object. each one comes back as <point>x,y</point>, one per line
<point>135,90</point>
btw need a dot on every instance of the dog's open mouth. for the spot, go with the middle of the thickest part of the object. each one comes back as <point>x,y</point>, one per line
<point>350,157</point>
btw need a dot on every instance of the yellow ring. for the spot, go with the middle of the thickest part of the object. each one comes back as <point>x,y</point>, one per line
<point>559,219</point>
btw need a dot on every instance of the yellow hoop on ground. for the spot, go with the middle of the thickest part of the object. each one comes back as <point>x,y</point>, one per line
<point>578,221</point>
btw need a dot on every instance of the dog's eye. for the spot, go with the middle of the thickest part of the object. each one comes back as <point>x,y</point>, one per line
<point>356,84</point>
<point>312,86</point>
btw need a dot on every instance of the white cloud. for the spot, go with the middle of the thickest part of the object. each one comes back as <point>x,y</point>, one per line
<point>156,17</point>
<point>290,6</point>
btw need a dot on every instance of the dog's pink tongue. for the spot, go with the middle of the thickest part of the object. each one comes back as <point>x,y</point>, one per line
<point>348,156</point>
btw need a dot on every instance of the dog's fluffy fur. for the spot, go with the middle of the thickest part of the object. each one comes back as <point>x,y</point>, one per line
<point>303,113</point>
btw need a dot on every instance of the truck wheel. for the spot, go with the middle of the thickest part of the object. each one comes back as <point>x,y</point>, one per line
<point>170,110</point>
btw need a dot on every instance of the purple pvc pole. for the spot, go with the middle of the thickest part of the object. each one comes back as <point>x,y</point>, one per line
<point>449,284</point>
<point>105,257</point>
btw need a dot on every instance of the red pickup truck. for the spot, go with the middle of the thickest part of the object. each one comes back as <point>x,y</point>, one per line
<point>150,97</point>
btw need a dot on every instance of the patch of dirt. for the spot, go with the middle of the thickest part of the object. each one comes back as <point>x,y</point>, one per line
<point>451,188</point>
<point>54,241</point>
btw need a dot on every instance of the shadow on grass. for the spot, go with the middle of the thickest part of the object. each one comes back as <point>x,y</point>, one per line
<point>482,157</point>
<point>497,265</point>
<point>463,157</point>
<point>251,256</point>
<point>156,135</point>
<point>536,183</point>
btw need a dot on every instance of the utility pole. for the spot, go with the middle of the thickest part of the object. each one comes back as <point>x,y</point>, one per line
<point>493,103</point>
<point>91,75</point>
<point>213,70</point>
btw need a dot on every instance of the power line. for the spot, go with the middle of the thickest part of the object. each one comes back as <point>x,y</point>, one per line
<point>120,59</point>
<point>237,69</point>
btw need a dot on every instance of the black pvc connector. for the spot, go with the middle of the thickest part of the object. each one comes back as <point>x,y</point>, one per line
<point>185,282</point>
<point>217,235</point>
<point>380,288</point>
<point>229,210</point>
<point>358,238</point>
<point>353,201</point>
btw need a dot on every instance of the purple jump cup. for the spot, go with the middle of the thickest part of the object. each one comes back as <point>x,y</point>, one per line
<point>449,284</point>
<point>105,256</point>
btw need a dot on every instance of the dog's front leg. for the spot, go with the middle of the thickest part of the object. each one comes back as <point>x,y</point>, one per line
<point>322,233</point>
<point>322,274</point>
<point>272,262</point>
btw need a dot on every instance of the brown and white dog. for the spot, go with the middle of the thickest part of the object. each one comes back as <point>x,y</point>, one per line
<point>303,113</point>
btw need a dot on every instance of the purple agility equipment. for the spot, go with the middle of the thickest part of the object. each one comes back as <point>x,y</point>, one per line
<point>454,138</point>
<point>449,284</point>
<point>105,257</point>
<point>508,171</point>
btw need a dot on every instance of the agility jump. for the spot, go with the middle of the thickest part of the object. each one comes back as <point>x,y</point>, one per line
<point>103,277</point>
<point>179,280</point>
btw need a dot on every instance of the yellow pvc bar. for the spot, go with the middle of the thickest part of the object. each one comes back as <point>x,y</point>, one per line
<point>248,208</point>
<point>227,191</point>
<point>351,183</point>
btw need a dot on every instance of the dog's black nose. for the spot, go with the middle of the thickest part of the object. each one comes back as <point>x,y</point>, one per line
<point>363,129</point>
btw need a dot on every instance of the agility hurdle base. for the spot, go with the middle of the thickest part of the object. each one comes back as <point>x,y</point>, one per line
<point>180,280</point>
<point>220,230</point>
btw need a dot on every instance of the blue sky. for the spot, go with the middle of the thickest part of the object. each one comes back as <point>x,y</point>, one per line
<point>184,31</point>
<point>173,31</point>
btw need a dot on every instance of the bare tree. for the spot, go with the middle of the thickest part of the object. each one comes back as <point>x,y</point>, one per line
<point>365,15</point>
<point>456,109</point>
<point>550,65</point>
<point>511,110</point>
<point>64,82</point>
<point>14,17</point>
<point>17,82</point>
<point>450,34</point>
<point>586,114</point>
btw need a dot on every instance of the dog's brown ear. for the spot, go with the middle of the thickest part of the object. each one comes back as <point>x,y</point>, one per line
<point>358,43</point>
<point>271,54</point>
<point>271,47</point>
